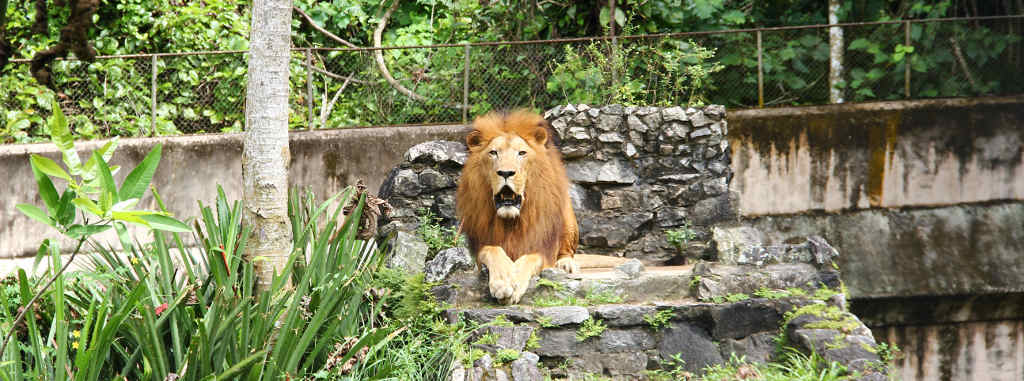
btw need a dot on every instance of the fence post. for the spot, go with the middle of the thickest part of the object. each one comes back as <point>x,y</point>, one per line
<point>309,89</point>
<point>760,74</point>
<point>906,60</point>
<point>152,116</point>
<point>465,86</point>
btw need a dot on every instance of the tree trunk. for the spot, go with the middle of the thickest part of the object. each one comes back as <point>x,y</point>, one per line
<point>835,41</point>
<point>265,154</point>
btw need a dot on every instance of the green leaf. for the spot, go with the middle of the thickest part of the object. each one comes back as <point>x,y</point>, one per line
<point>46,189</point>
<point>859,44</point>
<point>734,16</point>
<point>35,213</point>
<point>61,137</point>
<point>108,191</point>
<point>89,205</point>
<point>49,167</point>
<point>138,180</point>
<point>161,222</point>
<point>66,211</point>
<point>106,152</point>
<point>78,231</point>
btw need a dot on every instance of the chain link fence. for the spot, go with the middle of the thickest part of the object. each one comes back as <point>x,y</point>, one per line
<point>165,94</point>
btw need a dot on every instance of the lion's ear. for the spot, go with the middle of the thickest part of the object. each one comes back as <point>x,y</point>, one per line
<point>474,140</point>
<point>540,135</point>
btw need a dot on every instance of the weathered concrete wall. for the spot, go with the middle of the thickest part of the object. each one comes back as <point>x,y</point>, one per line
<point>951,338</point>
<point>966,249</point>
<point>193,166</point>
<point>884,154</point>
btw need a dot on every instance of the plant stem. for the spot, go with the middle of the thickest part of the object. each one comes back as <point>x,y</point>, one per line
<point>31,302</point>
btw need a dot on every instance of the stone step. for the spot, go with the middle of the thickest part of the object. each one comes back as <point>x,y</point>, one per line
<point>635,284</point>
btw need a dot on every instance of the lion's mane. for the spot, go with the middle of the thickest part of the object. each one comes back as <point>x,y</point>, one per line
<point>539,227</point>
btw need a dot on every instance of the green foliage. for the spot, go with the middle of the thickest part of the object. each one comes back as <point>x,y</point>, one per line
<point>436,236</point>
<point>91,190</point>
<point>731,298</point>
<point>659,319</point>
<point>887,352</point>
<point>533,342</point>
<point>592,297</point>
<point>671,370</point>
<point>554,286</point>
<point>794,365</point>
<point>545,321</point>
<point>152,311</point>
<point>487,339</point>
<point>666,73</point>
<point>590,328</point>
<point>832,317</point>
<point>505,356</point>
<point>680,236</point>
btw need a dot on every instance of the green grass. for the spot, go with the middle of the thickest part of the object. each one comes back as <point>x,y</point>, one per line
<point>794,366</point>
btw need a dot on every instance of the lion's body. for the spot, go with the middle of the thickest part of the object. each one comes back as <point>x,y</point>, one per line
<point>546,223</point>
<point>513,201</point>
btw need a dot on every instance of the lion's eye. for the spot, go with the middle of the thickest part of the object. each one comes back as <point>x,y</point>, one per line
<point>522,153</point>
<point>494,153</point>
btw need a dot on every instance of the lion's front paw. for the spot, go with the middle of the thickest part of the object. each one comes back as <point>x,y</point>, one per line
<point>501,285</point>
<point>568,264</point>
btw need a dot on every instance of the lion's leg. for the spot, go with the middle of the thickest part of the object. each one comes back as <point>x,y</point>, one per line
<point>526,267</point>
<point>501,271</point>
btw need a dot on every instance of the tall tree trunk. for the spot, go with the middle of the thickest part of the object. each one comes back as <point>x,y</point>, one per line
<point>265,152</point>
<point>835,66</point>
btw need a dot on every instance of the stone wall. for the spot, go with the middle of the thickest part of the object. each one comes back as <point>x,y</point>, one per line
<point>636,172</point>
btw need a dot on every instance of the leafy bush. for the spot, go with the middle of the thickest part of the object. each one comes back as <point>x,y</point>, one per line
<point>667,72</point>
<point>436,236</point>
<point>160,309</point>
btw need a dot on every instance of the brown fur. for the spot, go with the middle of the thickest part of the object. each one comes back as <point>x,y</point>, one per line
<point>540,227</point>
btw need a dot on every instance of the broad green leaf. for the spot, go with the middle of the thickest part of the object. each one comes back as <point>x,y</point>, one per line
<point>125,205</point>
<point>161,222</point>
<point>108,191</point>
<point>49,167</point>
<point>46,189</point>
<point>66,210</point>
<point>135,183</point>
<point>89,205</point>
<point>132,216</point>
<point>61,136</point>
<point>36,213</point>
<point>78,231</point>
<point>859,44</point>
<point>106,152</point>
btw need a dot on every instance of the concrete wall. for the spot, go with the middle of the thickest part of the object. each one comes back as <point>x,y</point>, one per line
<point>884,154</point>
<point>970,338</point>
<point>193,166</point>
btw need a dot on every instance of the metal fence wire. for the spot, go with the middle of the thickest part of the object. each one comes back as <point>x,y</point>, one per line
<point>166,94</point>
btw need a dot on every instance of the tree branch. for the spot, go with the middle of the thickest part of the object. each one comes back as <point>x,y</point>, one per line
<point>963,63</point>
<point>379,55</point>
<point>309,20</point>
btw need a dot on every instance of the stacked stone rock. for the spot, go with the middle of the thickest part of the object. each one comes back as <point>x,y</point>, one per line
<point>636,172</point>
<point>701,335</point>
<point>639,171</point>
<point>424,181</point>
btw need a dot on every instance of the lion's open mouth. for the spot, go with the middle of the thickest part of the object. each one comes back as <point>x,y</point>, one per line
<point>507,198</point>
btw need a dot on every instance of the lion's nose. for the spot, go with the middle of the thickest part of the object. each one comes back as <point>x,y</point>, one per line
<point>506,174</point>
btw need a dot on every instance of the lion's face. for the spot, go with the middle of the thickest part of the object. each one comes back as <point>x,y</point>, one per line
<point>504,149</point>
<point>507,156</point>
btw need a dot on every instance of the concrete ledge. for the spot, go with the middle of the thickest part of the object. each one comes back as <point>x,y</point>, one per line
<point>193,166</point>
<point>878,155</point>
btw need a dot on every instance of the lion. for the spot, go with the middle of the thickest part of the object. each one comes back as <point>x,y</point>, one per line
<point>513,201</point>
